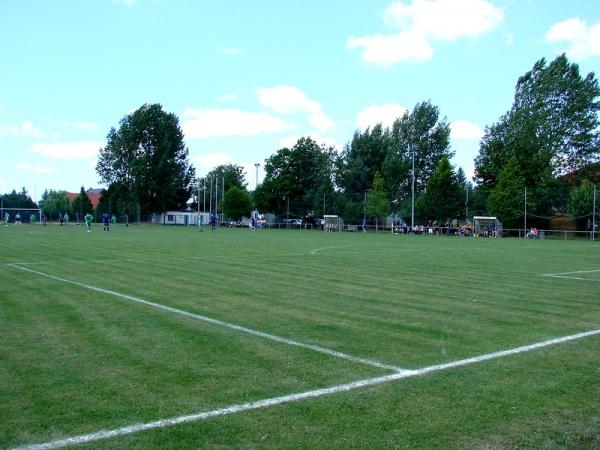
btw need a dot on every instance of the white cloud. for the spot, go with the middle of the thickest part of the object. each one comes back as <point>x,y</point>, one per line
<point>287,100</point>
<point>584,39</point>
<point>321,121</point>
<point>233,51</point>
<point>35,169</point>
<point>67,150</point>
<point>25,129</point>
<point>461,129</point>
<point>208,162</point>
<point>423,21</point>
<point>387,50</point>
<point>203,123</point>
<point>125,2</point>
<point>384,114</point>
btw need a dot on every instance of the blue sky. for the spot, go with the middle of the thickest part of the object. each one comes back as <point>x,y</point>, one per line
<point>249,77</point>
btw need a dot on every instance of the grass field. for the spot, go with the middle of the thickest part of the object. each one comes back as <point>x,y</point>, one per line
<point>346,320</point>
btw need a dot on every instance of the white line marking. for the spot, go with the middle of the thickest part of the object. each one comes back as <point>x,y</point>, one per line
<point>564,275</point>
<point>317,250</point>
<point>266,403</point>
<point>210,320</point>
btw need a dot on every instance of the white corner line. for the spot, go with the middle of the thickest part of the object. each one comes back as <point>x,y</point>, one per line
<point>272,337</point>
<point>266,403</point>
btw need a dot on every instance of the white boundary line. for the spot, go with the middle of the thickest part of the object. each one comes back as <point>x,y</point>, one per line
<point>317,250</point>
<point>266,403</point>
<point>564,275</point>
<point>217,322</point>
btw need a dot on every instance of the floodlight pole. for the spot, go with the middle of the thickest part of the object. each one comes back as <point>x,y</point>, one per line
<point>412,215</point>
<point>203,194</point>
<point>594,217</point>
<point>525,216</point>
<point>257,165</point>
<point>210,197</point>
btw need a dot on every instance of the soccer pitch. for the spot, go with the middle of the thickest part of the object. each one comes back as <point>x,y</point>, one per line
<point>158,337</point>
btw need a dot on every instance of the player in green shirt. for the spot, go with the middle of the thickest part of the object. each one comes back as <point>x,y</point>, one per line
<point>88,221</point>
<point>113,220</point>
<point>66,217</point>
<point>32,219</point>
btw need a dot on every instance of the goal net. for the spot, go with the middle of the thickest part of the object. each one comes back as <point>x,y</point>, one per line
<point>487,226</point>
<point>20,215</point>
<point>333,223</point>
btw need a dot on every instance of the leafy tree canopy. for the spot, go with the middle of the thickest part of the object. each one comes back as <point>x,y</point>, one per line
<point>16,199</point>
<point>237,203</point>
<point>443,198</point>
<point>147,155</point>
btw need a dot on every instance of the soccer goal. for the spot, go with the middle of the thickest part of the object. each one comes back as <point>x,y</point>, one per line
<point>333,223</point>
<point>20,216</point>
<point>487,227</point>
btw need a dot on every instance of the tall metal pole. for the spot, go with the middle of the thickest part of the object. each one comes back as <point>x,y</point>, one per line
<point>204,195</point>
<point>288,210</point>
<point>257,165</point>
<point>412,216</point>
<point>217,197</point>
<point>210,197</point>
<point>467,205</point>
<point>525,211</point>
<point>594,217</point>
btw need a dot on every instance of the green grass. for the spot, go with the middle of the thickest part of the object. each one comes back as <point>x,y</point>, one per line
<point>74,361</point>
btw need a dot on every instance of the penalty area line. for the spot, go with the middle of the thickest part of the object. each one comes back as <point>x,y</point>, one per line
<point>271,337</point>
<point>266,403</point>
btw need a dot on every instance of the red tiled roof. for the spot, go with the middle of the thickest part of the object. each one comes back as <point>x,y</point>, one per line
<point>94,197</point>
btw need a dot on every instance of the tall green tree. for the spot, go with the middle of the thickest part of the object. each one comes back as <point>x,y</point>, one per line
<point>54,202</point>
<point>221,178</point>
<point>82,204</point>
<point>443,197</point>
<point>148,157</point>
<point>300,175</point>
<point>378,205</point>
<point>16,199</point>
<point>551,129</point>
<point>237,203</point>
<point>506,198</point>
<point>581,202</point>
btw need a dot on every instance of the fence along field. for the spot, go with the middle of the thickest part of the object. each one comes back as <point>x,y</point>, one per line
<point>80,360</point>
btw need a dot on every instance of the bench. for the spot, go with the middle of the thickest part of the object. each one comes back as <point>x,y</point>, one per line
<point>351,228</point>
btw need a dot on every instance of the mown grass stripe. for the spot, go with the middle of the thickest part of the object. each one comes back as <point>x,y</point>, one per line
<point>266,403</point>
<point>217,322</point>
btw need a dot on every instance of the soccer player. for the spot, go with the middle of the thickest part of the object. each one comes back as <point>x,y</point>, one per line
<point>6,219</point>
<point>106,222</point>
<point>18,219</point>
<point>32,219</point>
<point>126,220</point>
<point>213,222</point>
<point>113,220</point>
<point>66,216</point>
<point>88,221</point>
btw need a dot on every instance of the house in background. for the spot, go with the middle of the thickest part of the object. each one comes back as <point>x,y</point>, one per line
<point>93,195</point>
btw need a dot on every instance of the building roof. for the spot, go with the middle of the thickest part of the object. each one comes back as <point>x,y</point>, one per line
<point>93,195</point>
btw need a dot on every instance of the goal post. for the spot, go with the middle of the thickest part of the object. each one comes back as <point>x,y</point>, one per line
<point>333,223</point>
<point>25,215</point>
<point>486,226</point>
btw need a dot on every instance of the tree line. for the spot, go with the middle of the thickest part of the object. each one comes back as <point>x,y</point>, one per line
<point>548,142</point>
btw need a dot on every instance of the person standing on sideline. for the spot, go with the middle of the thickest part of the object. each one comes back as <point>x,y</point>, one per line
<point>106,222</point>
<point>88,221</point>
